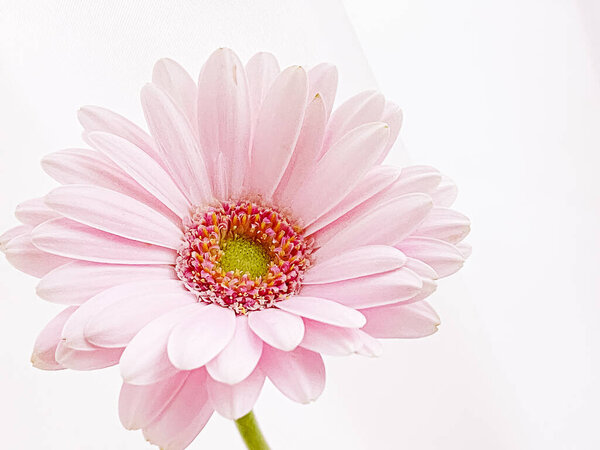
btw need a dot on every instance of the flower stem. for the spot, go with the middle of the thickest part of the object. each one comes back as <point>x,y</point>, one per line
<point>251,434</point>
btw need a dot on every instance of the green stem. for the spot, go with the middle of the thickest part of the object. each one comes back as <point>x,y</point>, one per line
<point>251,434</point>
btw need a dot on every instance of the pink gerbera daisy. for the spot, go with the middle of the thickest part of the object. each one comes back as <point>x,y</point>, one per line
<point>249,232</point>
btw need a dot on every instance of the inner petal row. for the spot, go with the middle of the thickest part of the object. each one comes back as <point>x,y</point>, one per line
<point>242,255</point>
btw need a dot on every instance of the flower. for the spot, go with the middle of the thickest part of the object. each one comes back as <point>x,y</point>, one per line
<point>251,231</point>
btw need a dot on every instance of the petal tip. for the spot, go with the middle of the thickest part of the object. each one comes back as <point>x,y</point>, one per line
<point>42,364</point>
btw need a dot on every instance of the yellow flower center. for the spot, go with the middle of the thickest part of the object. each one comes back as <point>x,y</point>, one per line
<point>245,255</point>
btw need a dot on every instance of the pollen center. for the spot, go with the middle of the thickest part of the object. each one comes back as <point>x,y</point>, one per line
<point>244,255</point>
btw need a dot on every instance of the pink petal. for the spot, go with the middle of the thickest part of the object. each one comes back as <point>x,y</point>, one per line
<point>277,129</point>
<point>413,179</point>
<point>429,287</point>
<point>387,196</point>
<point>74,330</point>
<point>363,108</point>
<point>328,339</point>
<point>355,263</point>
<point>235,401</point>
<point>277,328</point>
<point>95,118</point>
<point>177,144</point>
<point>139,406</point>
<point>224,115</point>
<point>169,76</point>
<point>444,224</point>
<point>420,268</point>
<point>26,257</point>
<point>369,345</point>
<point>443,257</point>
<point>386,223</point>
<point>115,325</point>
<point>445,193</point>
<point>143,169</point>
<point>12,233</point>
<point>87,359</point>
<point>373,290</point>
<point>392,115</point>
<point>410,180</point>
<point>83,166</point>
<point>70,239</point>
<point>78,281</point>
<point>145,360</point>
<point>464,248</point>
<point>381,185</point>
<point>299,374</point>
<point>305,156</point>
<point>261,70</point>
<point>184,417</point>
<point>33,212</point>
<point>376,180</point>
<point>356,153</point>
<point>201,336</point>
<point>221,178</point>
<point>114,213</point>
<point>428,277</point>
<point>322,310</point>
<point>44,349</point>
<point>323,80</point>
<point>413,320</point>
<point>239,358</point>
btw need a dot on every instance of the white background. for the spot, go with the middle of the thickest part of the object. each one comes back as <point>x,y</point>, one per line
<point>503,96</point>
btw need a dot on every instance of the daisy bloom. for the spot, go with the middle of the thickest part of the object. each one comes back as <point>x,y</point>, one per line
<point>248,232</point>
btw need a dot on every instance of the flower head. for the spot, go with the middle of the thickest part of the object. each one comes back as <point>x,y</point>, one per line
<point>250,231</point>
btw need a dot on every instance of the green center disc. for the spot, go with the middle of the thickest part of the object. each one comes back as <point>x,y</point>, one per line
<point>246,256</point>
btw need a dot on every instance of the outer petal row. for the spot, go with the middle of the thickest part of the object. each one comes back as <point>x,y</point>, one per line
<point>89,167</point>
<point>224,121</point>
<point>115,213</point>
<point>28,258</point>
<point>277,130</point>
<point>338,172</point>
